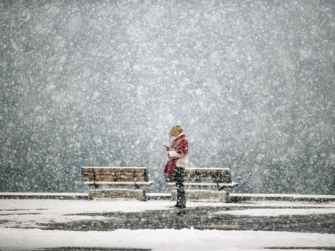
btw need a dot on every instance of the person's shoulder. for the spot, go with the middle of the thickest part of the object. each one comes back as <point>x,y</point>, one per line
<point>183,138</point>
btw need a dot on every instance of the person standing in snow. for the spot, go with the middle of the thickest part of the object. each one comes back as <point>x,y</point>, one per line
<point>177,162</point>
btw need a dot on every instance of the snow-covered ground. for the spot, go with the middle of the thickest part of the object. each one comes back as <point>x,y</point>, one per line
<point>168,239</point>
<point>19,228</point>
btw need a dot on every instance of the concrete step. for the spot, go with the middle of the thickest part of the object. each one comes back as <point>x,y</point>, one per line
<point>235,197</point>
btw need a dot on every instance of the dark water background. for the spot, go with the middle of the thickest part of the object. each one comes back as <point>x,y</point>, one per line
<point>99,83</point>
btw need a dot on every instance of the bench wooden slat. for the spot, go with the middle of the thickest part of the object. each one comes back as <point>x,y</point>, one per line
<point>110,174</point>
<point>232,184</point>
<point>149,183</point>
<point>113,167</point>
<point>116,176</point>
<point>205,177</point>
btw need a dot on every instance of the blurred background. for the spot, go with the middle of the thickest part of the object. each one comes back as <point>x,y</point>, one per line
<point>100,83</point>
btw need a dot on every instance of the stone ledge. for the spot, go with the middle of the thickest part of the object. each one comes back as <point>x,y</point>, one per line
<point>203,195</point>
<point>44,196</point>
<point>236,197</point>
<point>117,194</point>
<point>233,197</point>
<point>158,196</point>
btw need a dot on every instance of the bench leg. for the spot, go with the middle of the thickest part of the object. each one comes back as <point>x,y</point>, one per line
<point>136,186</point>
<point>94,186</point>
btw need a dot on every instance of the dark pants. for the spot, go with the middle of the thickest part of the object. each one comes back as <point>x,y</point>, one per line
<point>179,178</point>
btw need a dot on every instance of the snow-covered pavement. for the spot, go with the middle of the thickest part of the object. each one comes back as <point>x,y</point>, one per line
<point>23,226</point>
<point>167,239</point>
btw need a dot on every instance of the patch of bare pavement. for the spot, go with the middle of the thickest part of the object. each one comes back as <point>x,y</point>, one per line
<point>132,249</point>
<point>302,248</point>
<point>199,218</point>
<point>92,249</point>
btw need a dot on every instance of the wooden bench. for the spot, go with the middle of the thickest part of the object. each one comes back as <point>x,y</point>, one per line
<point>219,178</point>
<point>116,176</point>
<point>206,177</point>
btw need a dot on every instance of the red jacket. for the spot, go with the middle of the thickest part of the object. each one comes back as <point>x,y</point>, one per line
<point>177,154</point>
